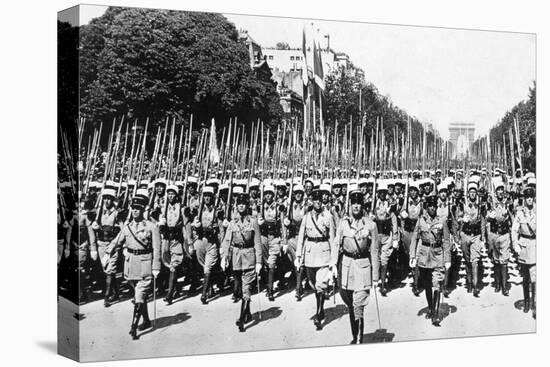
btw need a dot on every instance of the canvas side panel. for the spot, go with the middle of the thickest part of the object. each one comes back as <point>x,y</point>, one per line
<point>68,231</point>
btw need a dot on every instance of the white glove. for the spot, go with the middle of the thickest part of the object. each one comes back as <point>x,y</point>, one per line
<point>196,223</point>
<point>517,249</point>
<point>162,222</point>
<point>404,214</point>
<point>492,215</point>
<point>125,252</point>
<point>223,264</point>
<point>66,224</point>
<point>104,259</point>
<point>285,249</point>
<point>447,266</point>
<point>372,216</point>
<point>66,252</point>
<point>298,263</point>
<point>412,263</point>
<point>95,226</point>
<point>334,272</point>
<point>261,221</point>
<point>191,249</point>
<point>258,268</point>
<point>93,255</point>
<point>225,223</point>
<point>286,222</point>
<point>466,219</point>
<point>395,244</point>
<point>156,273</point>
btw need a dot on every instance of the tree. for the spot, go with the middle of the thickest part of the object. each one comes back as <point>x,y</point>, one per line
<point>282,46</point>
<point>157,63</point>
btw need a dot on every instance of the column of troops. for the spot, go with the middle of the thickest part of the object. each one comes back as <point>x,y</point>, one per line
<point>356,233</point>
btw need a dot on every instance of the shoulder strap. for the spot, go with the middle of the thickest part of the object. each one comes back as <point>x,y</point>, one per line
<point>316,226</point>
<point>135,238</point>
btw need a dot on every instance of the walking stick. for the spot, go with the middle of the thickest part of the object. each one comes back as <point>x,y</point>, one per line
<point>154,302</point>
<point>259,298</point>
<point>377,307</point>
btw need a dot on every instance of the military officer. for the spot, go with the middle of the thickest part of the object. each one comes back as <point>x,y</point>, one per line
<point>357,239</point>
<point>272,230</point>
<point>107,227</point>
<point>431,251</point>
<point>411,211</point>
<point>206,238</point>
<point>524,237</point>
<point>498,235</point>
<point>242,248</point>
<point>172,238</point>
<point>314,249</point>
<point>141,241</point>
<point>386,223</point>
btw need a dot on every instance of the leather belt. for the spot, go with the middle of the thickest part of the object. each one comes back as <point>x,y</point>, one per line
<point>139,252</point>
<point>432,244</point>
<point>528,236</point>
<point>317,239</point>
<point>242,245</point>
<point>356,255</point>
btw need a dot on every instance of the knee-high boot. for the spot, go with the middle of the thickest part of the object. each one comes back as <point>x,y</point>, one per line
<point>299,289</point>
<point>354,326</point>
<point>534,299</point>
<point>383,271</point>
<point>241,319</point>
<point>469,277</point>
<point>319,314</point>
<point>475,274</point>
<point>416,274</point>
<point>429,299</point>
<point>360,327</point>
<point>205,288</point>
<point>171,282</point>
<point>436,299</point>
<point>135,320</point>
<point>526,295</point>
<point>504,279</point>
<point>237,291</point>
<point>146,324</point>
<point>497,272</point>
<point>108,282</point>
<point>270,278</point>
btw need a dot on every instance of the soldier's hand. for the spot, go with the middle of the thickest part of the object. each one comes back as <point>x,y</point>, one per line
<point>95,226</point>
<point>104,259</point>
<point>93,255</point>
<point>66,252</point>
<point>196,223</point>
<point>404,214</point>
<point>223,264</point>
<point>261,221</point>
<point>285,248</point>
<point>156,273</point>
<point>286,222</point>
<point>298,263</point>
<point>162,222</point>
<point>412,263</point>
<point>517,249</point>
<point>372,216</point>
<point>395,244</point>
<point>447,266</point>
<point>258,268</point>
<point>225,223</point>
<point>465,219</point>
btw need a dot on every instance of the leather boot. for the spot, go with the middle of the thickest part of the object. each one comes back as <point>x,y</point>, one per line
<point>247,314</point>
<point>354,327</point>
<point>240,320</point>
<point>429,298</point>
<point>237,291</point>
<point>361,327</point>
<point>504,279</point>
<point>270,277</point>
<point>446,290</point>
<point>526,296</point>
<point>114,289</point>
<point>383,271</point>
<point>321,306</point>
<point>475,274</point>
<point>534,299</point>
<point>171,280</point>
<point>497,272</point>
<point>435,317</point>
<point>205,288</point>
<point>469,277</point>
<point>135,321</point>
<point>317,318</point>
<point>108,280</point>
<point>299,289</point>
<point>146,324</point>
<point>416,274</point>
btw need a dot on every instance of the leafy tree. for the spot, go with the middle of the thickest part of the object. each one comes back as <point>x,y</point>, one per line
<point>157,63</point>
<point>282,46</point>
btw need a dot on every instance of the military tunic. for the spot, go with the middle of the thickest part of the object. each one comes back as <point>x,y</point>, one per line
<point>472,234</point>
<point>271,233</point>
<point>431,246</point>
<point>172,236</point>
<point>106,234</point>
<point>297,215</point>
<point>386,222</point>
<point>242,246</point>
<point>141,242</point>
<point>206,240</point>
<point>409,222</point>
<point>498,231</point>
<point>524,234</point>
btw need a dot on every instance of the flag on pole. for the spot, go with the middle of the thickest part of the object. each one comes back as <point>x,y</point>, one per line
<point>214,154</point>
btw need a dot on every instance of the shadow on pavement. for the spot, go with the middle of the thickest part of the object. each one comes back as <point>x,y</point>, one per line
<point>445,310</point>
<point>519,304</point>
<point>333,313</point>
<point>168,321</point>
<point>378,336</point>
<point>49,346</point>
<point>269,314</point>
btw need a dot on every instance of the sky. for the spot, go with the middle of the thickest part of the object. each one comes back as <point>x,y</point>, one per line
<point>438,75</point>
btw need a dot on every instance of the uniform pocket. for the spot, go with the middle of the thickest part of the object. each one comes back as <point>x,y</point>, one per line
<point>146,266</point>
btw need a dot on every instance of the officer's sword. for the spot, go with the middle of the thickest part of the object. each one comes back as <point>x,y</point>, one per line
<point>259,298</point>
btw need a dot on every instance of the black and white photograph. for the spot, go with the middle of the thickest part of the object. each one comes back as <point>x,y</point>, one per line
<point>238,183</point>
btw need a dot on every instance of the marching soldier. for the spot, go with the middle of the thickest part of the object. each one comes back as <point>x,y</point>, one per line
<point>315,249</point>
<point>172,239</point>
<point>410,213</point>
<point>472,237</point>
<point>498,235</point>
<point>524,237</point>
<point>386,223</point>
<point>271,230</point>
<point>431,251</point>
<point>357,239</point>
<point>107,227</point>
<point>141,241</point>
<point>206,239</point>
<point>293,222</point>
<point>242,247</point>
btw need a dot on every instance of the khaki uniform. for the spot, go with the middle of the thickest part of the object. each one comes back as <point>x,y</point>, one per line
<point>106,240</point>
<point>472,234</point>
<point>271,232</point>
<point>141,242</point>
<point>498,231</point>
<point>431,246</point>
<point>172,237</point>
<point>297,213</point>
<point>242,247</point>
<point>206,241</point>
<point>524,234</point>
<point>408,224</point>
<point>386,223</point>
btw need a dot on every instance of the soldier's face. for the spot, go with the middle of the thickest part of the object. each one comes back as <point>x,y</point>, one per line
<point>299,196</point>
<point>443,195</point>
<point>171,195</point>
<point>192,190</point>
<point>160,190</point>
<point>137,212</point>
<point>363,189</point>
<point>268,196</point>
<point>390,190</point>
<point>529,201</point>
<point>398,190</point>
<point>336,190</point>
<point>317,204</point>
<point>254,193</point>
<point>241,208</point>
<point>108,201</point>
<point>413,194</point>
<point>382,195</point>
<point>325,198</point>
<point>356,209</point>
<point>500,193</point>
<point>308,187</point>
<point>431,210</point>
<point>207,199</point>
<point>472,194</point>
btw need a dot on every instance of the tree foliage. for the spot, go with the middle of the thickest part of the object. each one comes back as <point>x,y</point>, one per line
<point>157,63</point>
